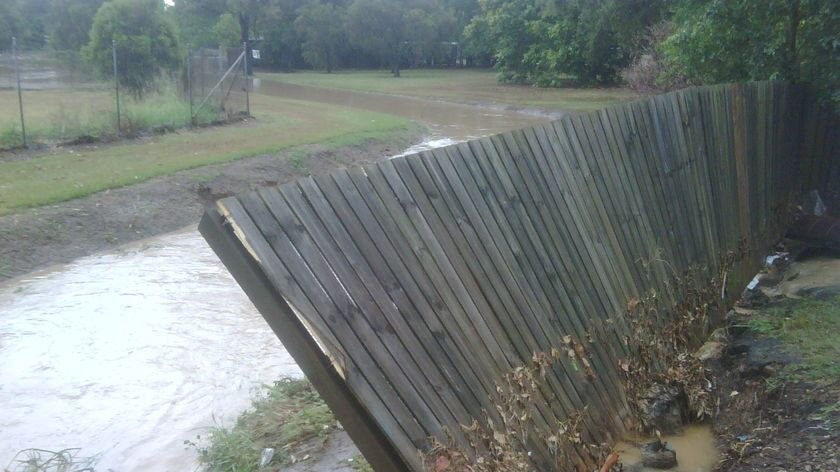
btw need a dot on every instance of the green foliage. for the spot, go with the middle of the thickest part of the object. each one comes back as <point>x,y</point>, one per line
<point>288,414</point>
<point>736,40</point>
<point>227,31</point>
<point>810,330</point>
<point>145,38</point>
<point>9,23</point>
<point>378,27</point>
<point>547,43</point>
<point>321,29</point>
<point>70,22</point>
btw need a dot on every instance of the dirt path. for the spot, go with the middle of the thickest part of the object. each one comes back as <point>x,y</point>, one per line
<point>55,234</point>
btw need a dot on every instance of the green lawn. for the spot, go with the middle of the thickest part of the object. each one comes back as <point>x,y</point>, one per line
<point>280,124</point>
<point>460,85</point>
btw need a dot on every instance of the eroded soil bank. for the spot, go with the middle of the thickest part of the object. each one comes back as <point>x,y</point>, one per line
<point>57,234</point>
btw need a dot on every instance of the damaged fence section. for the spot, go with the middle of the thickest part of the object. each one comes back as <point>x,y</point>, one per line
<point>466,305</point>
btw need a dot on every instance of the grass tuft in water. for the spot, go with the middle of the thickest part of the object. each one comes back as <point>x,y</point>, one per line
<point>288,416</point>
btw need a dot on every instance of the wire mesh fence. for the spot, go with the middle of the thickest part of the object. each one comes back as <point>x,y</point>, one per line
<point>50,97</point>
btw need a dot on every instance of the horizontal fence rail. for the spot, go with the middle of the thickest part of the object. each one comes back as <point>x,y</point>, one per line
<point>412,292</point>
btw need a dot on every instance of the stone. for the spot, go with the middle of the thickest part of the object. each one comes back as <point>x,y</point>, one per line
<point>712,350</point>
<point>662,408</point>
<point>658,455</point>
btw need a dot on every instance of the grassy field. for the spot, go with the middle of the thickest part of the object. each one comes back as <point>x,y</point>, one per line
<point>460,85</point>
<point>280,124</point>
<point>63,115</point>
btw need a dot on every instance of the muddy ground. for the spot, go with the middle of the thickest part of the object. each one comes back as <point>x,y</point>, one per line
<point>766,420</point>
<point>56,234</point>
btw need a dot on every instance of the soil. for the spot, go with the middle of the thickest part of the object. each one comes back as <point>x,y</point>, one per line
<point>56,234</point>
<point>765,424</point>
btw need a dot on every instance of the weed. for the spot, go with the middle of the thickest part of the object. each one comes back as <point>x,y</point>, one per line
<point>289,416</point>
<point>830,414</point>
<point>298,160</point>
<point>809,328</point>
<point>359,464</point>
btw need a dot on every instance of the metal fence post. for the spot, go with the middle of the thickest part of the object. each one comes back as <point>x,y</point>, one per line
<point>116,83</point>
<point>189,86</point>
<point>245,77</point>
<point>20,94</point>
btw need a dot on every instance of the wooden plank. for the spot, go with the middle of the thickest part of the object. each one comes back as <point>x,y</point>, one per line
<point>349,398</point>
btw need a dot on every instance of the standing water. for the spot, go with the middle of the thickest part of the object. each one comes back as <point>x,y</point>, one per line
<point>128,354</point>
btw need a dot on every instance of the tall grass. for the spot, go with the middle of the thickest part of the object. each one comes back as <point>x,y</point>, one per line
<point>289,417</point>
<point>61,116</point>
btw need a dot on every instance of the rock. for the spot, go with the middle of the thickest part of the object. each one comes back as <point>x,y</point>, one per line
<point>658,455</point>
<point>720,335</point>
<point>753,298</point>
<point>662,407</point>
<point>712,350</point>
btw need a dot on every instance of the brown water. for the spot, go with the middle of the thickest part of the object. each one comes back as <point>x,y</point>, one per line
<point>126,354</point>
<point>695,448</point>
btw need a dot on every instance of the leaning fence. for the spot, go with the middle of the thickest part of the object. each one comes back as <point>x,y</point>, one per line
<point>472,302</point>
<point>52,97</point>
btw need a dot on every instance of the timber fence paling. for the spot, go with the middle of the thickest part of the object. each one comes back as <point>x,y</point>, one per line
<point>429,280</point>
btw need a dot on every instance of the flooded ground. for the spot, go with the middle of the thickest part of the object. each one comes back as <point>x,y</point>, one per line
<point>126,354</point>
<point>695,448</point>
<point>447,122</point>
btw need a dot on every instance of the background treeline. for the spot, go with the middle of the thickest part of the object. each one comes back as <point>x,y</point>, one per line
<point>649,44</point>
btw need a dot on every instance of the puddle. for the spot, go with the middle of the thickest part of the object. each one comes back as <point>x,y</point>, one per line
<point>804,277</point>
<point>695,448</point>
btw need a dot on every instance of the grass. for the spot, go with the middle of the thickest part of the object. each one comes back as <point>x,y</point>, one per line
<point>359,464</point>
<point>55,116</point>
<point>809,329</point>
<point>288,415</point>
<point>460,85</point>
<point>280,124</point>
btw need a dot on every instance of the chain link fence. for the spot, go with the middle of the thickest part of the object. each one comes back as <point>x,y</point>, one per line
<point>50,98</point>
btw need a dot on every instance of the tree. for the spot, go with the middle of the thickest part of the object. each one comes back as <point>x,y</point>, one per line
<point>145,39</point>
<point>69,23</point>
<point>552,41</point>
<point>736,40</point>
<point>9,23</point>
<point>282,43</point>
<point>378,27</point>
<point>320,26</point>
<point>196,21</point>
<point>227,31</point>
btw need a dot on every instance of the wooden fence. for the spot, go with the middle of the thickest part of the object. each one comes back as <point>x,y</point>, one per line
<point>409,290</point>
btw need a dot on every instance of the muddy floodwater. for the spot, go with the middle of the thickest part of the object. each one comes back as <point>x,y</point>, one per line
<point>128,353</point>
<point>695,448</point>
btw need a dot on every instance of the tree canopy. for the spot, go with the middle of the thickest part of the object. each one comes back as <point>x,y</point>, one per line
<point>145,41</point>
<point>655,43</point>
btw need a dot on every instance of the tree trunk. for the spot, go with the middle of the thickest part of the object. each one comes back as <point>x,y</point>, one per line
<point>395,62</point>
<point>791,56</point>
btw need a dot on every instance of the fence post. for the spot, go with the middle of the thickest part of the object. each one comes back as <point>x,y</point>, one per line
<point>245,77</point>
<point>116,83</point>
<point>189,86</point>
<point>20,94</point>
